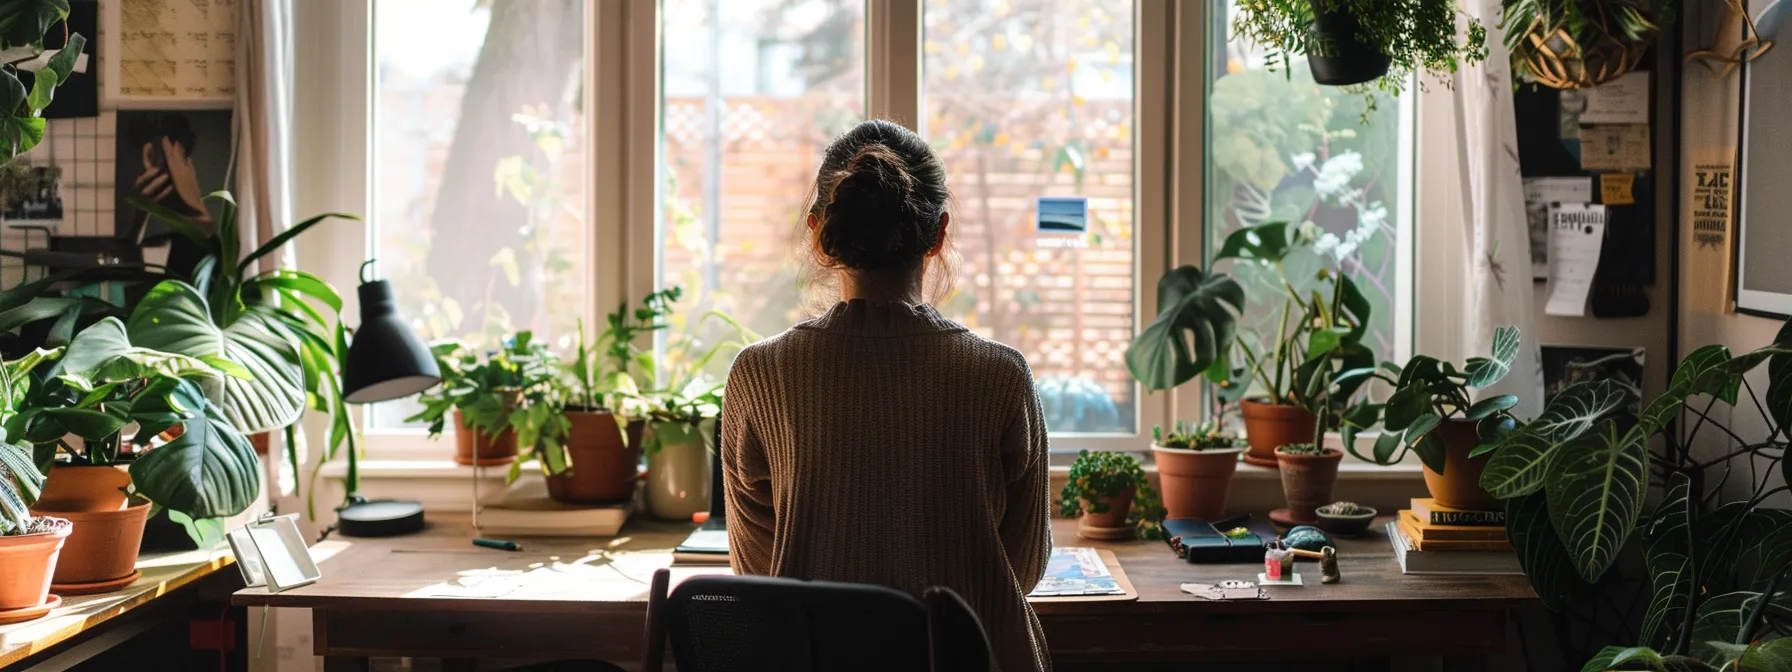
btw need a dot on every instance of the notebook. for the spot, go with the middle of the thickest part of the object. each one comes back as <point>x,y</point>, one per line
<point>709,543</point>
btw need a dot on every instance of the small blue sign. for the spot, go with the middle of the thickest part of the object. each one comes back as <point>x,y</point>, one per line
<point>1063,215</point>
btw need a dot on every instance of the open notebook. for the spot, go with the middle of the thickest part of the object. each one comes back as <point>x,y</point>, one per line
<point>709,544</point>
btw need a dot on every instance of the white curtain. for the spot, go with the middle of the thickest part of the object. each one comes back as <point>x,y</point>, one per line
<point>1498,289</point>
<point>262,125</point>
<point>261,161</point>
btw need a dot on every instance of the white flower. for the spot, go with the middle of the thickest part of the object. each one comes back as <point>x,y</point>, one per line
<point>1303,161</point>
<point>1336,173</point>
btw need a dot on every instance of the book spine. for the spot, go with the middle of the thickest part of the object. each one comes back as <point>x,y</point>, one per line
<point>1469,518</point>
<point>1448,533</point>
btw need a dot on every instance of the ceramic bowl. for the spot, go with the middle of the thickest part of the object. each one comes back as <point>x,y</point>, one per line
<point>1349,526</point>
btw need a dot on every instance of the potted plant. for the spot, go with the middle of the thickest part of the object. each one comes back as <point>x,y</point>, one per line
<point>1195,463</point>
<point>511,398</point>
<point>1308,474</point>
<point>1324,317</point>
<point>678,400</point>
<point>1574,44</point>
<point>1108,495</point>
<point>1354,42</point>
<point>108,403</point>
<point>1600,466</point>
<point>1432,412</point>
<point>604,449</point>
<point>29,544</point>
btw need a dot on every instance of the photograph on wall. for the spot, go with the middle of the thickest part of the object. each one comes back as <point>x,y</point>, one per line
<point>1565,365</point>
<point>1063,215</point>
<point>173,158</point>
<point>33,196</point>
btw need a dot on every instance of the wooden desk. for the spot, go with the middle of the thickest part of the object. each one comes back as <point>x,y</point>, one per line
<point>583,599</point>
<point>162,574</point>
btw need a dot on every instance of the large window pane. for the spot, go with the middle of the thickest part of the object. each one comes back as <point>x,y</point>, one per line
<point>1282,148</point>
<point>754,90</point>
<point>479,167</point>
<point>1034,98</point>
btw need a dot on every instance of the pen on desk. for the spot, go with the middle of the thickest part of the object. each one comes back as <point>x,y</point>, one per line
<point>497,544</point>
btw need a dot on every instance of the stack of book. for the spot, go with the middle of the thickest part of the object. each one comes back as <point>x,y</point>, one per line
<point>1433,539</point>
<point>524,509</point>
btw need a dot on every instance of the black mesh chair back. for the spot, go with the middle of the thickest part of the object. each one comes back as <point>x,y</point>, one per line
<point>750,623</point>
<point>955,638</point>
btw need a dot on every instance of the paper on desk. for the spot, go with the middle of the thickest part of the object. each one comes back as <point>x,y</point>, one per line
<point>1073,571</point>
<point>1539,194</point>
<point>1576,232</point>
<point>1624,100</point>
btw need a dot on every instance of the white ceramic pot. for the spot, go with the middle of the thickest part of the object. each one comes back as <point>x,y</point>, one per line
<point>678,468</point>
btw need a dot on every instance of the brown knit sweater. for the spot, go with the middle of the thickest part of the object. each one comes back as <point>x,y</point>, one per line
<point>885,444</point>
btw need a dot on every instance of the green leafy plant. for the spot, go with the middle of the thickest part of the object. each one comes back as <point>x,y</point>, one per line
<point>1324,318</point>
<point>1205,435</point>
<point>672,386</point>
<point>137,405</point>
<point>22,27</point>
<point>1589,23</point>
<point>1097,476</point>
<point>1417,35</point>
<point>597,368</point>
<point>518,388</point>
<point>1576,479</point>
<point>1428,393</point>
<point>20,479</point>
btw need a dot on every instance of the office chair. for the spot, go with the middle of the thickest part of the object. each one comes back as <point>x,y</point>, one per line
<point>727,623</point>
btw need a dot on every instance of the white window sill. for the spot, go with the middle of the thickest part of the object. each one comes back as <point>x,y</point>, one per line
<point>442,485</point>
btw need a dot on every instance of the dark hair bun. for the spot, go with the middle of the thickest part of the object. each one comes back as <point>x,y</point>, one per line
<point>880,197</point>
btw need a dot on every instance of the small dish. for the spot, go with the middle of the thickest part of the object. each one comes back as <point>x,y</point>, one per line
<point>1348,525</point>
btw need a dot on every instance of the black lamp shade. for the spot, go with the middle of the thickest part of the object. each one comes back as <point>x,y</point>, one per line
<point>386,360</point>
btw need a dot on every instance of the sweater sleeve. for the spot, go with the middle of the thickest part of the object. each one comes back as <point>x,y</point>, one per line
<point>746,480</point>
<point>1026,522</point>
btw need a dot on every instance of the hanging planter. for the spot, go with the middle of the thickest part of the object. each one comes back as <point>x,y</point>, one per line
<point>1574,44</point>
<point>1375,45</point>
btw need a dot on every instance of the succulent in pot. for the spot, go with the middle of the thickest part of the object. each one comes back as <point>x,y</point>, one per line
<point>1109,496</point>
<point>1309,471</point>
<point>1195,463</point>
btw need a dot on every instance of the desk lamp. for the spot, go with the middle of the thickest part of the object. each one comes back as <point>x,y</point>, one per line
<point>386,361</point>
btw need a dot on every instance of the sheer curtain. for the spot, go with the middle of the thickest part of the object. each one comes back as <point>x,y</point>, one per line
<point>1498,289</point>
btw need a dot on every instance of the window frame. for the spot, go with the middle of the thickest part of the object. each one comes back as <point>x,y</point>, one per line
<point>334,96</point>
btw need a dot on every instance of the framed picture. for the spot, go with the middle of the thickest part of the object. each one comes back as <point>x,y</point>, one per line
<point>175,55</point>
<point>1763,278</point>
<point>1565,365</point>
<point>172,157</point>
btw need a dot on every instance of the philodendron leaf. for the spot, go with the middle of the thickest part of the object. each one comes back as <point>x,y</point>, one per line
<point>1768,533</point>
<point>1519,461</point>
<point>1669,558</point>
<point>1491,405</point>
<point>1197,317</point>
<point>1720,622</point>
<point>1546,564</point>
<point>1266,242</point>
<point>209,471</point>
<point>1517,466</point>
<point>1596,488</point>
<point>1579,407</point>
<point>1773,655</point>
<point>175,318</point>
<point>1707,371</point>
<point>1485,371</point>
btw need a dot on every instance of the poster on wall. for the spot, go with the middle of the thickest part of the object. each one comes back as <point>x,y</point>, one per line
<point>1764,241</point>
<point>175,54</point>
<point>173,158</point>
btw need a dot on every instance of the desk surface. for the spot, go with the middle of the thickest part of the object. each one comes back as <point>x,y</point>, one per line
<point>162,573</point>
<point>440,570</point>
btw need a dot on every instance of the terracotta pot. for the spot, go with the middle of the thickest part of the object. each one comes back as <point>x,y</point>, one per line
<point>1271,426</point>
<point>678,455</point>
<point>1307,482</point>
<point>474,447</point>
<point>1118,507</point>
<point>26,563</point>
<point>261,442</point>
<point>602,468</point>
<point>1196,483</point>
<point>1459,487</point>
<point>104,544</point>
<point>85,488</point>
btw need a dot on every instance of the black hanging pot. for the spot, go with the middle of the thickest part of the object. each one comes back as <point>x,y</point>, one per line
<point>1337,56</point>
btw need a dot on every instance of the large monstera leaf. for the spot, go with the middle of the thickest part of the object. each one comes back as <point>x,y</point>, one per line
<point>1196,321</point>
<point>174,317</point>
<point>1595,487</point>
<point>209,471</point>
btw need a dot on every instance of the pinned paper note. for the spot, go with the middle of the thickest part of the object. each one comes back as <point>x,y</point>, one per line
<point>1624,100</point>
<point>1617,188</point>
<point>1576,233</point>
<point>1624,147</point>
<point>1539,194</point>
